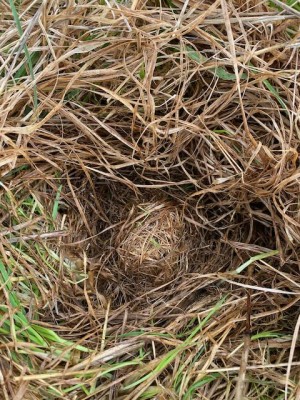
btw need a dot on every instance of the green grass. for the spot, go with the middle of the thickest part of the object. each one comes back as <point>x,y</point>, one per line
<point>189,343</point>
<point>189,395</point>
<point>222,73</point>
<point>291,3</point>
<point>29,58</point>
<point>172,126</point>
<point>219,72</point>
<point>56,203</point>
<point>17,326</point>
<point>258,257</point>
<point>19,314</point>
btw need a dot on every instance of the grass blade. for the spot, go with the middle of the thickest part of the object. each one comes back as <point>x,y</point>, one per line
<point>255,258</point>
<point>26,52</point>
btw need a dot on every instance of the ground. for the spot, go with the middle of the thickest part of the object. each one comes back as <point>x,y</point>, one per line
<point>149,200</point>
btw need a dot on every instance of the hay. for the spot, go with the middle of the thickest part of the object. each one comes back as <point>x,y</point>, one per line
<point>150,242</point>
<point>149,149</point>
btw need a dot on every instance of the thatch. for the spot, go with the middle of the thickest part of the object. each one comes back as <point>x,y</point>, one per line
<point>150,242</point>
<point>149,202</point>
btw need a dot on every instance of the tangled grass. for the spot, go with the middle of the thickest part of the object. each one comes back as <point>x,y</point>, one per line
<point>149,243</point>
<point>149,200</point>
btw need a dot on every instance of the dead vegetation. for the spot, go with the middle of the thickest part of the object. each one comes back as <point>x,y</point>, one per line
<point>149,200</point>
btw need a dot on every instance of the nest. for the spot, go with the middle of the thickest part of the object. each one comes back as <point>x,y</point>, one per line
<point>150,243</point>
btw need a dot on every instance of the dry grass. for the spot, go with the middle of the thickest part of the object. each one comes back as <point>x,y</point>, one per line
<point>149,243</point>
<point>149,203</point>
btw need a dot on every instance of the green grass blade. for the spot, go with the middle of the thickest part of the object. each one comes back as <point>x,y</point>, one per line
<point>22,70</point>
<point>206,379</point>
<point>53,337</point>
<point>14,301</point>
<point>220,72</point>
<point>255,258</point>
<point>172,354</point>
<point>27,55</point>
<point>56,203</point>
<point>271,88</point>
<point>266,335</point>
<point>205,320</point>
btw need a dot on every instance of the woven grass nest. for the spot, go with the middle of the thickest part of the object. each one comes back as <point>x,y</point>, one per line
<point>150,243</point>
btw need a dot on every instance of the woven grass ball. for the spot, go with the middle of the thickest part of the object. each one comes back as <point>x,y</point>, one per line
<point>150,242</point>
